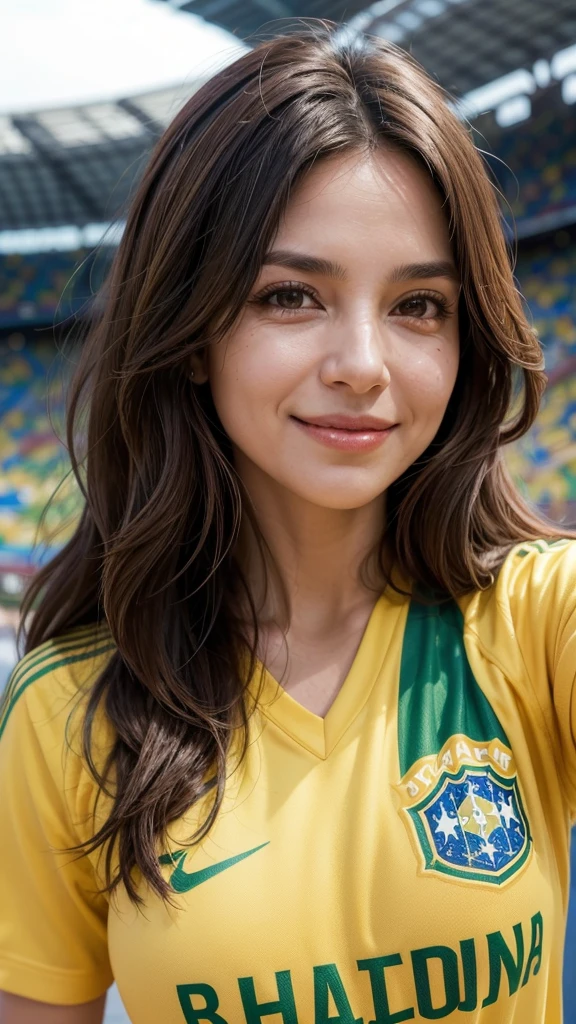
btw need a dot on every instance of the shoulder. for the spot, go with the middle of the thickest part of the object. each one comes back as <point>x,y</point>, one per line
<point>538,565</point>
<point>536,586</point>
<point>43,773</point>
<point>530,609</point>
<point>54,678</point>
<point>536,572</point>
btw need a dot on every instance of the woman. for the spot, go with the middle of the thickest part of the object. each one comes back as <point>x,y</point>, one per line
<point>292,736</point>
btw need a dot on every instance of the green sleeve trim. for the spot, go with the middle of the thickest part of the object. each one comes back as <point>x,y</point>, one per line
<point>53,648</point>
<point>48,664</point>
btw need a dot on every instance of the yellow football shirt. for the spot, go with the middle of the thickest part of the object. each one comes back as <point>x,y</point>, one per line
<point>404,858</point>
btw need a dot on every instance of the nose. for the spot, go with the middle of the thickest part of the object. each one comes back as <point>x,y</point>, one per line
<point>357,356</point>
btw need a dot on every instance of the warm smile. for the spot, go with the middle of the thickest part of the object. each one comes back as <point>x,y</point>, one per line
<point>348,434</point>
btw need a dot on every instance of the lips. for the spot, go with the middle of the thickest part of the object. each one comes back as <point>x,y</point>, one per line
<point>353,434</point>
<point>343,422</point>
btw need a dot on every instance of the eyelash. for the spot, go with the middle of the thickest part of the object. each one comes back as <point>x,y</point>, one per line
<point>292,286</point>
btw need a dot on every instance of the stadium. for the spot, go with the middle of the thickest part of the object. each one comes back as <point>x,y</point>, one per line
<point>67,175</point>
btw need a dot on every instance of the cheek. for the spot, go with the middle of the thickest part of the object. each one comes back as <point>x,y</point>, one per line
<point>250,374</point>
<point>428,380</point>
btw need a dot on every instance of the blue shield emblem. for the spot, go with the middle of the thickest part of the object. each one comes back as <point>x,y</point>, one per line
<point>473,825</point>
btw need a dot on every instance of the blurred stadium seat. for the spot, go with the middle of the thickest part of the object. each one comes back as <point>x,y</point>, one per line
<point>46,287</point>
<point>33,462</point>
<point>543,178</point>
<point>544,461</point>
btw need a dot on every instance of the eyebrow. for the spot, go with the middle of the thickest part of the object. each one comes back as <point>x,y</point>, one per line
<point>317,265</point>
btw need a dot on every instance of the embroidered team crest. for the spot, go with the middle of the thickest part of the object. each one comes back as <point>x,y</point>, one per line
<point>459,791</point>
<point>466,814</point>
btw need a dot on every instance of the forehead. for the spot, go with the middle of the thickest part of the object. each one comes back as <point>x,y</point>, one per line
<point>381,201</point>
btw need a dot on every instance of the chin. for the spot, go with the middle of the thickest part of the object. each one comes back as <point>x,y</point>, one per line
<point>340,498</point>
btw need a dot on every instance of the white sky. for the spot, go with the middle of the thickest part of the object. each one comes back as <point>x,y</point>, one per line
<point>56,52</point>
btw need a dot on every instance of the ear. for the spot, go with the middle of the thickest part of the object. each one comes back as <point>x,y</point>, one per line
<point>198,369</point>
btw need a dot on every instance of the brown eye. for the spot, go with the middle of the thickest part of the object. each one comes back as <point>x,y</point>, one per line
<point>416,306</point>
<point>288,298</point>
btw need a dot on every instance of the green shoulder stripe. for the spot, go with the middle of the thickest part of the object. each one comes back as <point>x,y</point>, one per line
<point>82,636</point>
<point>439,696</point>
<point>46,658</point>
<point>77,639</point>
<point>542,546</point>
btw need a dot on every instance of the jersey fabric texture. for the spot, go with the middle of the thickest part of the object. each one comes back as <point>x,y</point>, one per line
<point>404,858</point>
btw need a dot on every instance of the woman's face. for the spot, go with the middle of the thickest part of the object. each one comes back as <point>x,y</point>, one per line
<point>336,376</point>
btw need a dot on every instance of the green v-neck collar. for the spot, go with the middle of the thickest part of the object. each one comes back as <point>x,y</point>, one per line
<point>321,735</point>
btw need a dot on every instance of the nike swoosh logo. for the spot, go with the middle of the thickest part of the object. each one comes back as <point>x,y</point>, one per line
<point>183,881</point>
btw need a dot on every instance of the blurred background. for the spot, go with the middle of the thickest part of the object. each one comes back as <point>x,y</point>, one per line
<point>86,89</point>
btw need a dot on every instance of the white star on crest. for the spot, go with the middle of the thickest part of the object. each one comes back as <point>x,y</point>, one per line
<point>490,849</point>
<point>507,812</point>
<point>447,825</point>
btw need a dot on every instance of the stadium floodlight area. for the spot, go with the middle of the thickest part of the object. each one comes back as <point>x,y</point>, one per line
<point>66,238</point>
<point>67,174</point>
<point>260,18</point>
<point>520,84</point>
<point>463,43</point>
<point>71,168</point>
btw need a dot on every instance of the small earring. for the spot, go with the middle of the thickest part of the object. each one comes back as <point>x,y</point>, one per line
<point>192,375</point>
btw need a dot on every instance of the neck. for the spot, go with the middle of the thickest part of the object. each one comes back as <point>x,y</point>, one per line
<point>310,574</point>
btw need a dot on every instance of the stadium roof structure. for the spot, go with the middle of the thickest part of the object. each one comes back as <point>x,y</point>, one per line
<point>76,166</point>
<point>463,43</point>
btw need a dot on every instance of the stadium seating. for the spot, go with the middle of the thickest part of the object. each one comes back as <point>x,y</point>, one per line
<point>544,461</point>
<point>33,462</point>
<point>543,178</point>
<point>548,283</point>
<point>44,288</point>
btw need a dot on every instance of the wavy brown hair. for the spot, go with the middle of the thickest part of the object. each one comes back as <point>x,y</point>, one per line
<point>153,553</point>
